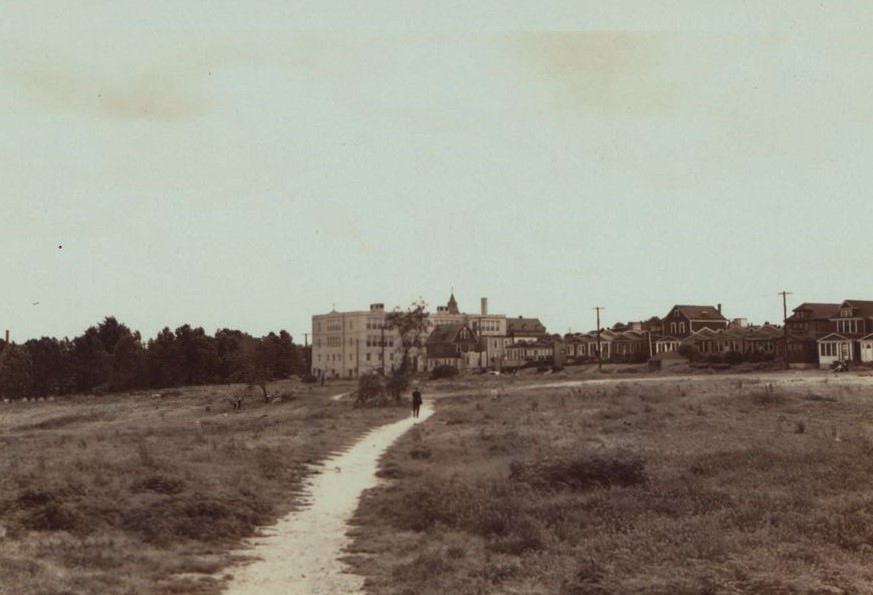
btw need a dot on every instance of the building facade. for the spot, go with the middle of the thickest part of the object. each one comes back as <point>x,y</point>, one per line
<point>347,344</point>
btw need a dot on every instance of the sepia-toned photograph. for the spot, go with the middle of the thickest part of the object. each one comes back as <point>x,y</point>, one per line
<point>400,297</point>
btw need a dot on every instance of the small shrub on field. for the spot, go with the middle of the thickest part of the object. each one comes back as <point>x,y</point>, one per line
<point>482,508</point>
<point>525,537</point>
<point>390,470</point>
<point>586,581</point>
<point>56,516</point>
<point>196,517</point>
<point>420,452</point>
<point>579,474</point>
<point>270,463</point>
<point>443,372</point>
<point>160,484</point>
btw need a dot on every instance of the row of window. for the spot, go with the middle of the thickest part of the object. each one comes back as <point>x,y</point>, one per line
<point>336,357</point>
<point>833,349</point>
<point>849,327</point>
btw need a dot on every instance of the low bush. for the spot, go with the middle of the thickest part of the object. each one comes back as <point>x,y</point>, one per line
<point>579,474</point>
<point>160,484</point>
<point>445,371</point>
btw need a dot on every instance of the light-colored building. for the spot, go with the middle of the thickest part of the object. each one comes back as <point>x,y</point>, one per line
<point>347,344</point>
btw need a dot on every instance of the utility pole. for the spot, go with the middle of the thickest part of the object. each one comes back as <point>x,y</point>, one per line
<point>785,295</point>
<point>599,354</point>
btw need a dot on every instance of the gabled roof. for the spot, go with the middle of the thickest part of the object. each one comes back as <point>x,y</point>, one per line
<point>524,325</point>
<point>765,333</point>
<point>816,310</point>
<point>444,333</point>
<point>863,308</point>
<point>832,337</point>
<point>698,312</point>
<point>735,332</point>
<point>704,334</point>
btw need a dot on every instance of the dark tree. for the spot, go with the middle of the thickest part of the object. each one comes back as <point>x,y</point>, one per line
<point>92,363</point>
<point>166,364</point>
<point>129,364</point>
<point>52,366</point>
<point>289,357</point>
<point>412,326</point>
<point>200,354</point>
<point>16,371</point>
<point>228,346</point>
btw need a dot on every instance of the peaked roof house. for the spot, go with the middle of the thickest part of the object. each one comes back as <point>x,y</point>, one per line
<point>525,329</point>
<point>449,344</point>
<point>807,323</point>
<point>853,318</point>
<point>682,321</point>
<point>851,333</point>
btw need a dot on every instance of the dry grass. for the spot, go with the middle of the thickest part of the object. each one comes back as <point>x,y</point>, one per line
<point>710,484</point>
<point>148,493</point>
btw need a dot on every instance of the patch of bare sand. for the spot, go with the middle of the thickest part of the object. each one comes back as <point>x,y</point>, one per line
<point>301,553</point>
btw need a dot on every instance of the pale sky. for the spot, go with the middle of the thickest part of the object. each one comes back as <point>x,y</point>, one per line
<point>248,165</point>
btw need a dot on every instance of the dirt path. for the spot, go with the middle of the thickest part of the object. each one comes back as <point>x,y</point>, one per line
<point>300,554</point>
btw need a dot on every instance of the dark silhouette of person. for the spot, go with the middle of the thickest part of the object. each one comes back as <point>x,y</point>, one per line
<point>416,402</point>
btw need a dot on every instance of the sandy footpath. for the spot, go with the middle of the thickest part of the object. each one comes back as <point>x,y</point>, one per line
<point>300,554</point>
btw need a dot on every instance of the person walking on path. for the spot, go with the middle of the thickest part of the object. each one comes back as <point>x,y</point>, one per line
<point>416,402</point>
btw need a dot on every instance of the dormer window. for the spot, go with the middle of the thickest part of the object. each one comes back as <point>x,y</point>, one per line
<point>846,313</point>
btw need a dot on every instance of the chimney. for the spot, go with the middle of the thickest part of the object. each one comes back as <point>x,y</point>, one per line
<point>719,308</point>
<point>7,335</point>
<point>484,302</point>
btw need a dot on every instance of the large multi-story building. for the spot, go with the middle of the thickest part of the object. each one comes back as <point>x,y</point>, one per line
<point>347,344</point>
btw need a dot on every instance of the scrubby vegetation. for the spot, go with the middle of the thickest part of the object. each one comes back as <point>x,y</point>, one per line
<point>713,484</point>
<point>444,371</point>
<point>148,493</point>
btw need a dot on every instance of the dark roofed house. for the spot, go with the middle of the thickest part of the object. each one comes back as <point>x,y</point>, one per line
<point>525,329</point>
<point>449,344</point>
<point>682,321</point>
<point>851,326</point>
<point>808,323</point>
<point>853,318</point>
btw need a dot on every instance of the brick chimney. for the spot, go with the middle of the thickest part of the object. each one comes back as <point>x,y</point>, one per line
<point>484,302</point>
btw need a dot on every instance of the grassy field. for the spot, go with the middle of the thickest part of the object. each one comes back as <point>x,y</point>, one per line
<point>715,484</point>
<point>148,493</point>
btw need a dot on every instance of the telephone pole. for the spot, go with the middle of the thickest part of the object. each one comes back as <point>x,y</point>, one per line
<point>599,356</point>
<point>785,295</point>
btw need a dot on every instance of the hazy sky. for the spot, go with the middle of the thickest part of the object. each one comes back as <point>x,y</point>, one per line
<point>247,165</point>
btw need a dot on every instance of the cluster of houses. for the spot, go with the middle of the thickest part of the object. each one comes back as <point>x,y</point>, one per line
<point>347,344</point>
<point>821,334</point>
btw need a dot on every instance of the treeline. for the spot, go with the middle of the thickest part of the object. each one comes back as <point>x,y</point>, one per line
<point>110,357</point>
